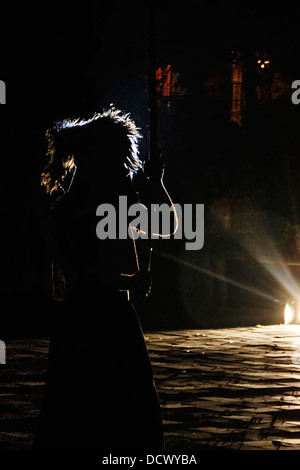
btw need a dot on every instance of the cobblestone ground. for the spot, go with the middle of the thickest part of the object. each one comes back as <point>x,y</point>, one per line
<point>236,388</point>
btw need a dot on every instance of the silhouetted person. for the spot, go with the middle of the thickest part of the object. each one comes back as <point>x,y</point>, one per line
<point>100,392</point>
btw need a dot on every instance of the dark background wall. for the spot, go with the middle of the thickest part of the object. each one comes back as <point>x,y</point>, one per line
<point>69,61</point>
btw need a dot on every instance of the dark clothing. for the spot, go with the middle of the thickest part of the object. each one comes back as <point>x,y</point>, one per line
<point>100,392</point>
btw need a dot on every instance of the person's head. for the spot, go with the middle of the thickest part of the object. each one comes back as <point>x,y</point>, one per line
<point>104,147</point>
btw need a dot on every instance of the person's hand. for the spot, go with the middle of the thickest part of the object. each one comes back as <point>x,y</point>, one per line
<point>139,283</point>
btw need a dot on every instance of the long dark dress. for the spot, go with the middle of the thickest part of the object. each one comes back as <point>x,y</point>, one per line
<point>100,392</point>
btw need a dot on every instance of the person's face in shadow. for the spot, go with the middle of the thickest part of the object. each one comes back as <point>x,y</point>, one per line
<point>105,176</point>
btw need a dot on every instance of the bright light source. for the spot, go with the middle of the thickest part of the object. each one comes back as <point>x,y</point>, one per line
<point>292,312</point>
<point>262,66</point>
<point>289,314</point>
<point>259,61</point>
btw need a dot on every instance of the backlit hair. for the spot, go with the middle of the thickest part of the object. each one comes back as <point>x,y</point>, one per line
<point>111,134</point>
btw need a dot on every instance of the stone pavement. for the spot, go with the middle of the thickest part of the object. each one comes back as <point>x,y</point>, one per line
<point>234,388</point>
